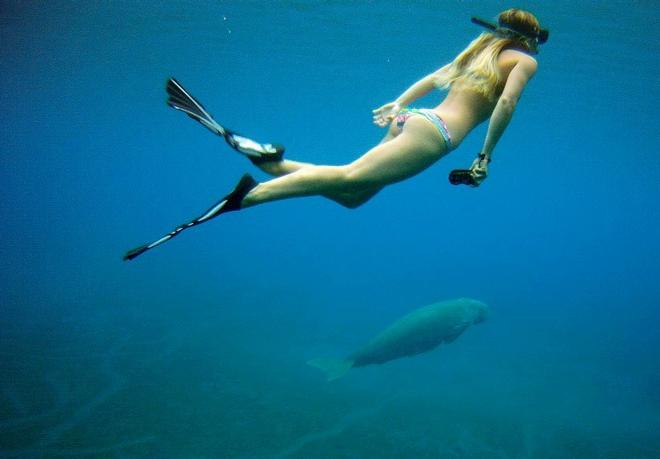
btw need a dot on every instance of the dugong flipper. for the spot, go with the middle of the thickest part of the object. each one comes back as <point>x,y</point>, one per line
<point>420,331</point>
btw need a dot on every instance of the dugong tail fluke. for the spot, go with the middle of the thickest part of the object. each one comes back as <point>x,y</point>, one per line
<point>333,367</point>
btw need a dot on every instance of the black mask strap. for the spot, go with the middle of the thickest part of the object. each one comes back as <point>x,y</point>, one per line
<point>506,31</point>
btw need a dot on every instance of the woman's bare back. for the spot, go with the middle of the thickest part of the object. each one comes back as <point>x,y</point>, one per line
<point>464,108</point>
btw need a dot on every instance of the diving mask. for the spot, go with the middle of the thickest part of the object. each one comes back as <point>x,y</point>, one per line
<point>533,39</point>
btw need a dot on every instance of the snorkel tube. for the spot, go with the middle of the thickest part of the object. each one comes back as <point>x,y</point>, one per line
<point>534,39</point>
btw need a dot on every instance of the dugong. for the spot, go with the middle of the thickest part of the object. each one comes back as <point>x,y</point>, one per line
<point>420,331</point>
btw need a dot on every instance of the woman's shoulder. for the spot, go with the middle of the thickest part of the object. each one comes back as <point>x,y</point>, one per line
<point>513,56</point>
<point>509,58</point>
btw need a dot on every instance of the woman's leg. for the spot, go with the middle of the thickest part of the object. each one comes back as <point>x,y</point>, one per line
<point>283,167</point>
<point>416,148</point>
<point>287,166</point>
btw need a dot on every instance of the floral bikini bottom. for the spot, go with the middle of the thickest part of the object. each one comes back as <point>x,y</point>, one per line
<point>429,115</point>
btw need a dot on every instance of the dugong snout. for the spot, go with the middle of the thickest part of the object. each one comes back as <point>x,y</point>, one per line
<point>482,312</point>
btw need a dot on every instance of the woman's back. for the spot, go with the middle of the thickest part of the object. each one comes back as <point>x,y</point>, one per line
<point>464,108</point>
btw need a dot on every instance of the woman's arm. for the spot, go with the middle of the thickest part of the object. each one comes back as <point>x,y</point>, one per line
<point>521,73</point>
<point>384,115</point>
<point>417,90</point>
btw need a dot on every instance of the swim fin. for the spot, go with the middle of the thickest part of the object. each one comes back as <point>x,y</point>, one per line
<point>229,203</point>
<point>182,100</point>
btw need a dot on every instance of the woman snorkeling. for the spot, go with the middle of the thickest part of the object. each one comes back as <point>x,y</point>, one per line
<point>484,81</point>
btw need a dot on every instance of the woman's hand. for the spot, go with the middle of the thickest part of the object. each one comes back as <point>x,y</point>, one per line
<point>479,169</point>
<point>385,114</point>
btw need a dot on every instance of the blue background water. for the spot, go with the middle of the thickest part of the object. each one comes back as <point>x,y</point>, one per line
<point>198,348</point>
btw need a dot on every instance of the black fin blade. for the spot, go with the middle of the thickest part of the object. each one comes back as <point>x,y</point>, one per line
<point>180,96</point>
<point>131,254</point>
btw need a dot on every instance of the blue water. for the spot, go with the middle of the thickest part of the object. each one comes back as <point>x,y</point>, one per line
<point>197,349</point>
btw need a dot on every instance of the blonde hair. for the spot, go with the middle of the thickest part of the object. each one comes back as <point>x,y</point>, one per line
<point>476,66</point>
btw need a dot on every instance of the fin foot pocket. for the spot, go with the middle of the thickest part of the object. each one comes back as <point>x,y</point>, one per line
<point>234,199</point>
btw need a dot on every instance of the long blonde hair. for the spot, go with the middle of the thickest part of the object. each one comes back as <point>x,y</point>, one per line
<point>476,65</point>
